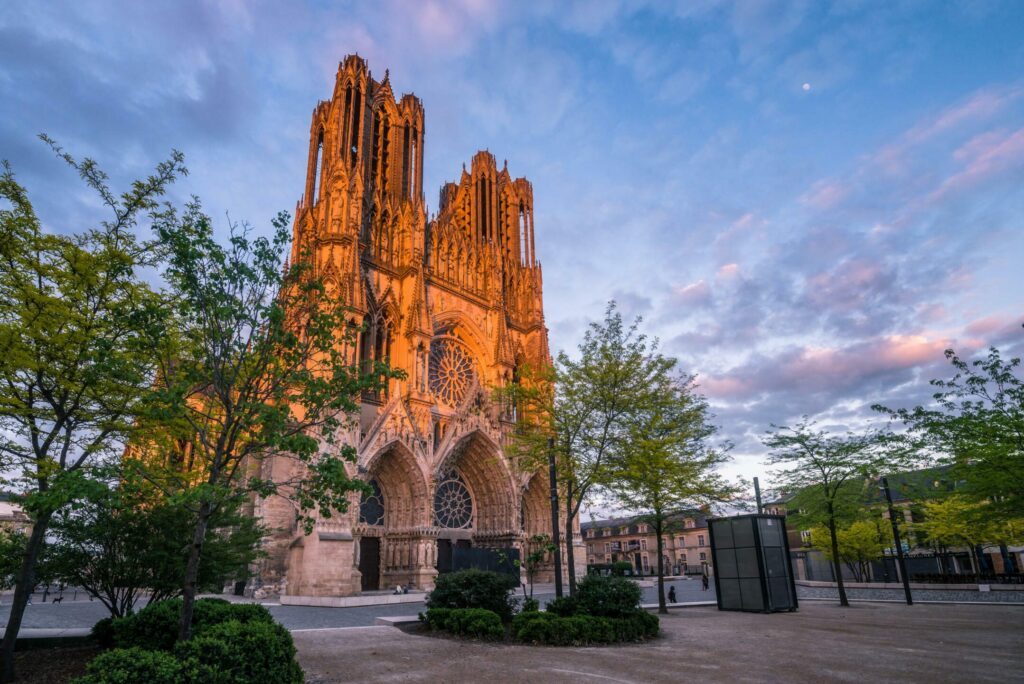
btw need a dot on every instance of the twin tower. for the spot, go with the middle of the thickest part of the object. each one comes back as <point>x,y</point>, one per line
<point>454,300</point>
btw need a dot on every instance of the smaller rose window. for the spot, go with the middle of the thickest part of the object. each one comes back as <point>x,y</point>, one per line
<point>453,507</point>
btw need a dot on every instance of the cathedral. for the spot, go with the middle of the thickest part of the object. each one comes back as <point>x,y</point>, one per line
<point>455,301</point>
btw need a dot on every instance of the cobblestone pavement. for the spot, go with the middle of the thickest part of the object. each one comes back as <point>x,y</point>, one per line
<point>867,642</point>
<point>916,594</point>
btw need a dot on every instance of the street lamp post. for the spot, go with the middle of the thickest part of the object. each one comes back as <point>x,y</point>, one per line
<point>554,518</point>
<point>899,546</point>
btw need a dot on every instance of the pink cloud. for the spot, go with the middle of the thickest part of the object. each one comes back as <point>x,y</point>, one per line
<point>988,157</point>
<point>827,369</point>
<point>728,271</point>
<point>694,294</point>
<point>825,194</point>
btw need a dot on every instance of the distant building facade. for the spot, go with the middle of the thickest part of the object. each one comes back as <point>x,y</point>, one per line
<point>686,544</point>
<point>12,516</point>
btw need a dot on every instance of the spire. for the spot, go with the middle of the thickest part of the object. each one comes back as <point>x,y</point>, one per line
<point>418,317</point>
<point>502,344</point>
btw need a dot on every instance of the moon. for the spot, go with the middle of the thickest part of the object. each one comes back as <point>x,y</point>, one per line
<point>807,86</point>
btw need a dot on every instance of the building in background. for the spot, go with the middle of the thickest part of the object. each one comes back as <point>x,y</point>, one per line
<point>686,544</point>
<point>12,516</point>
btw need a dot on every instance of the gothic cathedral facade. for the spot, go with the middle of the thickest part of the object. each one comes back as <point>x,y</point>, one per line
<point>454,300</point>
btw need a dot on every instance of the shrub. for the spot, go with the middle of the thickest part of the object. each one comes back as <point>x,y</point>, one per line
<point>563,606</point>
<point>636,627</point>
<point>472,622</point>
<point>551,630</point>
<point>155,627</point>
<point>240,653</point>
<point>530,605</point>
<point>475,589</point>
<point>607,596</point>
<point>103,632</point>
<point>131,666</point>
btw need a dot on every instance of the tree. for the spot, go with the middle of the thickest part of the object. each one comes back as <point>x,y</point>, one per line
<point>75,358</point>
<point>584,404</point>
<point>129,539</point>
<point>958,520</point>
<point>538,547</point>
<point>260,383</point>
<point>663,463</point>
<point>859,544</point>
<point>977,426</point>
<point>823,470</point>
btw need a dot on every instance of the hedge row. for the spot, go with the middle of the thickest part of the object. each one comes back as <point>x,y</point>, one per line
<point>478,623</point>
<point>231,644</point>
<point>553,630</point>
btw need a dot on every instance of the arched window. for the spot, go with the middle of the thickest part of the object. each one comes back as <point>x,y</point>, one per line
<point>371,507</point>
<point>318,166</point>
<point>453,506</point>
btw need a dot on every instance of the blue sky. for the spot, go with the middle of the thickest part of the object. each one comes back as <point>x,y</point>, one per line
<point>807,202</point>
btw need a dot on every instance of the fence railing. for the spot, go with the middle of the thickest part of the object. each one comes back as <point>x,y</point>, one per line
<point>950,578</point>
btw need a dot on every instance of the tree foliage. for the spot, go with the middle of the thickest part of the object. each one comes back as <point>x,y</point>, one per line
<point>976,425</point>
<point>859,543</point>
<point>584,405</point>
<point>825,470</point>
<point>76,324</point>
<point>258,382</point>
<point>663,461</point>
<point>129,539</point>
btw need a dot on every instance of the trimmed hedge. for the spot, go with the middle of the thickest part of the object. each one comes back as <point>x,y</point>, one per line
<point>530,605</point>
<point>232,643</point>
<point>475,589</point>
<point>472,622</point>
<point>240,653</point>
<point>607,596</point>
<point>155,627</point>
<point>552,630</point>
<point>132,666</point>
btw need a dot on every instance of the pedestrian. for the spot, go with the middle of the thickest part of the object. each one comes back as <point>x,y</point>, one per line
<point>672,594</point>
<point>704,582</point>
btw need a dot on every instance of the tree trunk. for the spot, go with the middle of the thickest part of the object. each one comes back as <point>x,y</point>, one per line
<point>662,607</point>
<point>570,557</point>
<point>188,593</point>
<point>22,590</point>
<point>836,564</point>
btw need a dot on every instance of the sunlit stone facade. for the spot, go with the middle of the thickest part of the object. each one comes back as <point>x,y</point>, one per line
<point>455,300</point>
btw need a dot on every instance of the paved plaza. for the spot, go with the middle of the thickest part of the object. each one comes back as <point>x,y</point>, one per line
<point>82,613</point>
<point>820,643</point>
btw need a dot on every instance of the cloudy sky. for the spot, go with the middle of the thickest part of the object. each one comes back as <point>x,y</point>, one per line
<point>807,202</point>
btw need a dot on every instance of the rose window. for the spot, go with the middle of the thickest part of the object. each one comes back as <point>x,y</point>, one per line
<point>451,371</point>
<point>453,506</point>
<point>371,507</point>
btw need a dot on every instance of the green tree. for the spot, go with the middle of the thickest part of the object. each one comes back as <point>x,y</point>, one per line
<point>958,520</point>
<point>75,358</point>
<point>859,543</point>
<point>663,461</point>
<point>262,379</point>
<point>827,472</point>
<point>976,425</point>
<point>584,405</point>
<point>129,539</point>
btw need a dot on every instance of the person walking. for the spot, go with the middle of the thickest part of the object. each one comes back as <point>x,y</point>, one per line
<point>704,582</point>
<point>672,594</point>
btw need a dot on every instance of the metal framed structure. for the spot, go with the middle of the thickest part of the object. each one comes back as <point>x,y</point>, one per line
<point>753,572</point>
